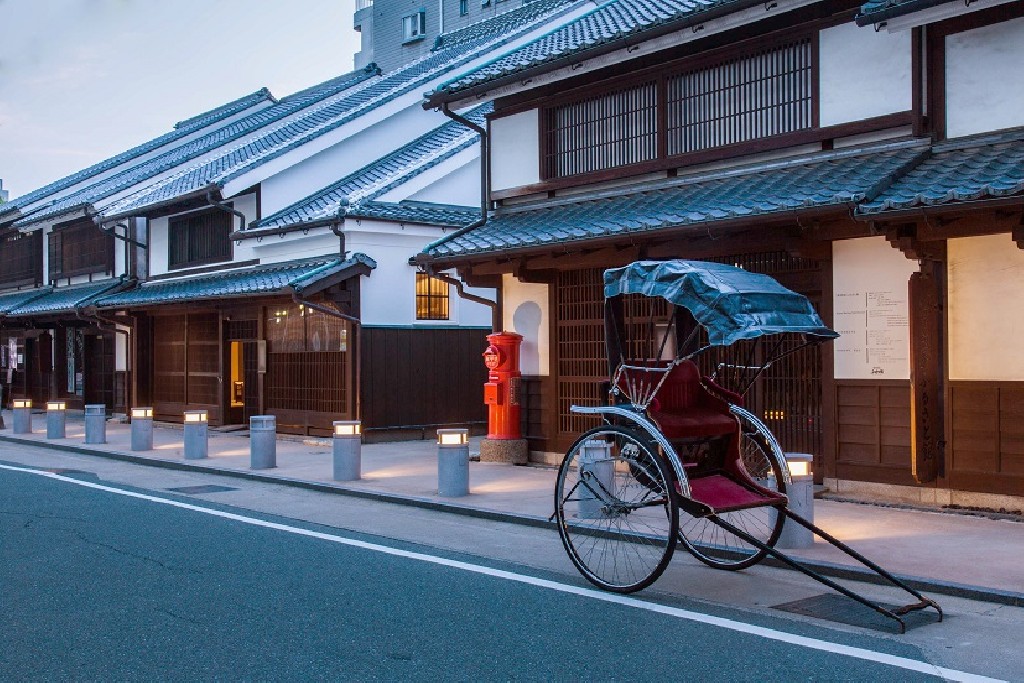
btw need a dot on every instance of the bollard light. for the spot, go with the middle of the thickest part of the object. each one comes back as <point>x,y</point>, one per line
<point>800,493</point>
<point>22,415</point>
<point>800,465</point>
<point>452,437</point>
<point>23,403</point>
<point>347,428</point>
<point>141,413</point>
<point>55,419</point>
<point>55,405</point>
<point>142,429</point>
<point>196,435</point>
<point>196,416</point>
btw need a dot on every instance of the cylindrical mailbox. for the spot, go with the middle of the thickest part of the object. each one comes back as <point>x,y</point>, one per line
<point>196,434</point>
<point>801,501</point>
<point>22,408</point>
<point>56,419</point>
<point>95,423</point>
<point>142,429</point>
<point>262,442</point>
<point>597,472</point>
<point>452,462</point>
<point>502,392</point>
<point>348,441</point>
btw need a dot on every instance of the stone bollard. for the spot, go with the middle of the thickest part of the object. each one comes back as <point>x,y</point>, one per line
<point>197,435</point>
<point>22,408</point>
<point>452,462</point>
<point>801,501</point>
<point>56,419</point>
<point>142,429</point>
<point>597,472</point>
<point>262,442</point>
<point>348,444</point>
<point>96,423</point>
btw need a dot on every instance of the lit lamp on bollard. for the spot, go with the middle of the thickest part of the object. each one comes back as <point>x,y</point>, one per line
<point>22,415</point>
<point>96,423</point>
<point>142,429</point>
<point>597,474</point>
<point>56,412</point>
<point>262,442</point>
<point>196,434</point>
<point>801,501</point>
<point>348,440</point>
<point>452,462</point>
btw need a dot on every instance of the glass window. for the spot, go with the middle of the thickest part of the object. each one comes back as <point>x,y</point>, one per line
<point>463,7</point>
<point>414,25</point>
<point>198,238</point>
<point>431,298</point>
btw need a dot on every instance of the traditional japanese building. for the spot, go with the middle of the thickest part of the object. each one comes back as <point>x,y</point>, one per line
<point>869,157</point>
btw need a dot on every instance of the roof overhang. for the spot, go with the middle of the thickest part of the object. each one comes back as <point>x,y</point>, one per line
<point>904,16</point>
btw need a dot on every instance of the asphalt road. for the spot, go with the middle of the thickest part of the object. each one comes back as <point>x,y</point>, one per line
<point>98,585</point>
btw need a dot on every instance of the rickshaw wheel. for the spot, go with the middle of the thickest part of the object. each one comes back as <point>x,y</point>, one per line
<point>617,516</point>
<point>716,547</point>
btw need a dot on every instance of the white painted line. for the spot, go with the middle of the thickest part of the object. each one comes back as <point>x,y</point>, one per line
<point>698,617</point>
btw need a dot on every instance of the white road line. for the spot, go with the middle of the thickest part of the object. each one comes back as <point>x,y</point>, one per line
<point>698,617</point>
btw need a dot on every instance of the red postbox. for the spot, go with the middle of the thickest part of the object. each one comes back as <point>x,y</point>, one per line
<point>504,385</point>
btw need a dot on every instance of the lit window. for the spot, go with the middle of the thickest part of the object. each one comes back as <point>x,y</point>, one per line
<point>431,298</point>
<point>414,26</point>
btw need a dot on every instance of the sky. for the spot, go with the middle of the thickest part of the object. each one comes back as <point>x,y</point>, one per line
<point>82,80</point>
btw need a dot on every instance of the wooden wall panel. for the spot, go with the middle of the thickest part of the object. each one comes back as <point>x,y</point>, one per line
<point>987,436</point>
<point>873,431</point>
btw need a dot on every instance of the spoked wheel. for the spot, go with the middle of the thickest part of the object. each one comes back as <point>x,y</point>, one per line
<point>718,548</point>
<point>616,515</point>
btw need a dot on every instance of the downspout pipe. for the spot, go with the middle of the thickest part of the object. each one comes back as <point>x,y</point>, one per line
<point>338,225</point>
<point>460,288</point>
<point>224,206</point>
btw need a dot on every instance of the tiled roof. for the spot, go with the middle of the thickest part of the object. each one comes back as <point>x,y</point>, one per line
<point>12,300</point>
<point>181,130</point>
<point>263,279</point>
<point>236,160</point>
<point>377,178</point>
<point>978,167</point>
<point>65,299</point>
<point>821,180</point>
<point>877,11</point>
<point>501,23</point>
<point>609,23</point>
<point>415,212</point>
<point>134,174</point>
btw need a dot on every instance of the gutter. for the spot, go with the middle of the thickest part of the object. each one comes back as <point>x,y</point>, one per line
<point>224,206</point>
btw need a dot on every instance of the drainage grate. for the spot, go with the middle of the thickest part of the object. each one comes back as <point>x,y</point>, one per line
<point>206,488</point>
<point>843,610</point>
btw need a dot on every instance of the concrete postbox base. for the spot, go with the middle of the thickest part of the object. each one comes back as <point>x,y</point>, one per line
<point>515,451</point>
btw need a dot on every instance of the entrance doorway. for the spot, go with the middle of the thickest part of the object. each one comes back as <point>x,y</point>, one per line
<point>242,400</point>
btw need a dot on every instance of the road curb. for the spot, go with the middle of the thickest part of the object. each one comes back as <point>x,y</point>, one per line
<point>923,584</point>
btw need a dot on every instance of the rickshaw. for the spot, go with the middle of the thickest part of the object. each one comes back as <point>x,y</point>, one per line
<point>678,457</point>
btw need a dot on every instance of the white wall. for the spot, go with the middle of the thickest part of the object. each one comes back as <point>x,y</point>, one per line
<point>986,308</point>
<point>525,311</point>
<point>515,150</point>
<point>460,187</point>
<point>869,309</point>
<point>157,252</point>
<point>985,79</point>
<point>863,73</point>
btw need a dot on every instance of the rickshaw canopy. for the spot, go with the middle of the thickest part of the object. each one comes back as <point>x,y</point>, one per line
<point>732,304</point>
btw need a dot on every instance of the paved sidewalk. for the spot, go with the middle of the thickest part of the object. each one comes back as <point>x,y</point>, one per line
<point>944,552</point>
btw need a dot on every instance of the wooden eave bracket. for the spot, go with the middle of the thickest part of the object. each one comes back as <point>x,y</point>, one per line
<point>905,239</point>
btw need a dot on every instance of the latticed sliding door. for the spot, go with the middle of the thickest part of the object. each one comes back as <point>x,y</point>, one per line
<point>582,364</point>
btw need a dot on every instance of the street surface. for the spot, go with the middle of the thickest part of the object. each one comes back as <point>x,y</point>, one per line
<point>107,575</point>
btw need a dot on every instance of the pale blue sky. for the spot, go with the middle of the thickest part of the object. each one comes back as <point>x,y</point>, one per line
<point>81,80</point>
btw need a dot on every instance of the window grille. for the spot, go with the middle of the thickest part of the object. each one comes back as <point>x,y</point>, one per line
<point>741,99</point>
<point>431,298</point>
<point>199,238</point>
<point>414,25</point>
<point>21,258</point>
<point>79,250</point>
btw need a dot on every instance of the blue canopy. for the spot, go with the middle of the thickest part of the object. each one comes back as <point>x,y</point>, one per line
<point>732,304</point>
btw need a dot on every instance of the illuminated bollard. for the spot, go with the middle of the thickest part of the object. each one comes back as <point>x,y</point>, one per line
<point>452,462</point>
<point>197,434</point>
<point>597,471</point>
<point>22,415</point>
<point>96,423</point>
<point>56,414</point>
<point>142,429</point>
<point>348,442</point>
<point>262,442</point>
<point>801,501</point>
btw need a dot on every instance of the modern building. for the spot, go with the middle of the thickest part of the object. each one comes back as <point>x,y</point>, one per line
<point>870,157</point>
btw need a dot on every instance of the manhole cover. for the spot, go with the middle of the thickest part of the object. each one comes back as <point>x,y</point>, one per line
<point>206,488</point>
<point>841,609</point>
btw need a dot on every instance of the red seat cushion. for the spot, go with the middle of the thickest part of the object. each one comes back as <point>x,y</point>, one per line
<point>694,423</point>
<point>723,494</point>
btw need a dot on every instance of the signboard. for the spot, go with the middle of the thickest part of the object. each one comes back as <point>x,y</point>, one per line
<point>870,310</point>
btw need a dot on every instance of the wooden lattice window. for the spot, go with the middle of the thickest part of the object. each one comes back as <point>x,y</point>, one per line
<point>79,250</point>
<point>21,257</point>
<point>308,366</point>
<point>431,298</point>
<point>604,131</point>
<point>198,238</point>
<point>745,98</point>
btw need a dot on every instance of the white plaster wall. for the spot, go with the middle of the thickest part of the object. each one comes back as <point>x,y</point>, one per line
<point>525,311</point>
<point>456,181</point>
<point>870,312</point>
<point>120,351</point>
<point>863,73</point>
<point>985,79</point>
<point>986,308</point>
<point>157,252</point>
<point>291,246</point>
<point>515,150</point>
